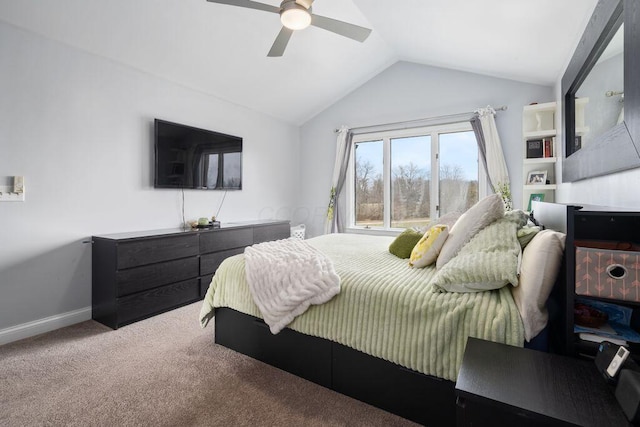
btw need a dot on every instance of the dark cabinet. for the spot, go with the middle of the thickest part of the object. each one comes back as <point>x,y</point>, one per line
<point>141,274</point>
<point>501,385</point>
<point>590,227</point>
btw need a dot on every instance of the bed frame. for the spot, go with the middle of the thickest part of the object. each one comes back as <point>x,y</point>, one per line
<point>425,399</point>
<point>418,397</point>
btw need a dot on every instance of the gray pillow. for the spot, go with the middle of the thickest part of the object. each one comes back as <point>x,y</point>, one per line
<point>469,224</point>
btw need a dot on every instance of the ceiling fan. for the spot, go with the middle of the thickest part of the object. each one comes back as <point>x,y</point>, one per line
<point>296,15</point>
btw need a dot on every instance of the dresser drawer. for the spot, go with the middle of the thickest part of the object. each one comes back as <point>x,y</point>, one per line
<point>150,276</point>
<point>148,251</point>
<point>267,233</point>
<point>221,240</point>
<point>205,281</point>
<point>209,263</point>
<point>156,300</point>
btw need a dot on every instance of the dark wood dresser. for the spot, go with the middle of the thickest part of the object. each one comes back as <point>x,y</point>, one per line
<point>140,274</point>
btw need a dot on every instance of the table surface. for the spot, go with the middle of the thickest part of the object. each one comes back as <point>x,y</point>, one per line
<point>559,387</point>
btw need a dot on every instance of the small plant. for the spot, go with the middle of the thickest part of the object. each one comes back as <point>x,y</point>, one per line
<point>504,191</point>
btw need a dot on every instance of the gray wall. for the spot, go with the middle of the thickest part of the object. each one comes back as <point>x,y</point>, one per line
<point>407,91</point>
<point>78,127</point>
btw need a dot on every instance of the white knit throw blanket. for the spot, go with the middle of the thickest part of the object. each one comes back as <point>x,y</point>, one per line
<point>285,277</point>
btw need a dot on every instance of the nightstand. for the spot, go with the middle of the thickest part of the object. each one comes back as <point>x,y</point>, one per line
<point>502,385</point>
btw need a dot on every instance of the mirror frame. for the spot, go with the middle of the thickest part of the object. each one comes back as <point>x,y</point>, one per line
<point>618,149</point>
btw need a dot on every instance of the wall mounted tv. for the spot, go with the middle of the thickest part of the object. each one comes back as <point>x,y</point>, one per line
<point>188,157</point>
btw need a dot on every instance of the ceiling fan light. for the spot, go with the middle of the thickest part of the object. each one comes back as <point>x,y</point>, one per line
<point>295,17</point>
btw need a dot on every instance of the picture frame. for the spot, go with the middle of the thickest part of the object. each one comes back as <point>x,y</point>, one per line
<point>535,197</point>
<point>537,178</point>
<point>535,148</point>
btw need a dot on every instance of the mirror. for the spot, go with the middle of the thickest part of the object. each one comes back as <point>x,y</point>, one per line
<point>600,98</point>
<point>601,95</point>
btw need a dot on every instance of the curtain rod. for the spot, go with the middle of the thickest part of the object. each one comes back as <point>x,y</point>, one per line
<point>430,119</point>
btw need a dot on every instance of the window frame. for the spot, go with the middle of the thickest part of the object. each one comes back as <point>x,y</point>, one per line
<point>386,136</point>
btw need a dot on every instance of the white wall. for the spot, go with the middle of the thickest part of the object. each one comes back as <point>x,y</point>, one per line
<point>78,127</point>
<point>407,91</point>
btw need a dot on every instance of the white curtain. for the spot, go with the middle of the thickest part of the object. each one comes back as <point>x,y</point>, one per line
<point>334,222</point>
<point>493,157</point>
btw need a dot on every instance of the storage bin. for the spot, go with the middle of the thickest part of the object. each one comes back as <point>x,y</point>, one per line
<point>298,232</point>
<point>608,273</point>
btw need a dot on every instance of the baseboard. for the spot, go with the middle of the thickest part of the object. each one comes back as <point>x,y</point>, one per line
<point>41,326</point>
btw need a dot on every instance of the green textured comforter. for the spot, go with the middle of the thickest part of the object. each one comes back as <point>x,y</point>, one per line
<point>385,308</point>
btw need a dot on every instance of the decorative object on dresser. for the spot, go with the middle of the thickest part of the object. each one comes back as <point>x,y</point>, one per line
<point>141,274</point>
<point>501,385</point>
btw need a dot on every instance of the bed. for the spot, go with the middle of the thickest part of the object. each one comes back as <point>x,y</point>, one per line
<point>390,337</point>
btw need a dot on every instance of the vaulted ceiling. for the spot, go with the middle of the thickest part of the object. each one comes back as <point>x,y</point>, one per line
<point>221,50</point>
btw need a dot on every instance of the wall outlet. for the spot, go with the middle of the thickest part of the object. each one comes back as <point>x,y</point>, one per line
<point>18,184</point>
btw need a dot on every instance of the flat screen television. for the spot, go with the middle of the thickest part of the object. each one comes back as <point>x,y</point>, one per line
<point>188,157</point>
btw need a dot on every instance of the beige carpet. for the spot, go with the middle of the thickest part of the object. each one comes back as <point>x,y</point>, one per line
<point>163,371</point>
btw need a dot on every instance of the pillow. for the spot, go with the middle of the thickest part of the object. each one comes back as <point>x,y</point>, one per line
<point>489,261</point>
<point>541,261</point>
<point>427,249</point>
<point>475,219</point>
<point>404,243</point>
<point>526,234</point>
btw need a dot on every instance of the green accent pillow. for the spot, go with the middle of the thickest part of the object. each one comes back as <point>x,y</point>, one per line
<point>525,234</point>
<point>489,261</point>
<point>404,243</point>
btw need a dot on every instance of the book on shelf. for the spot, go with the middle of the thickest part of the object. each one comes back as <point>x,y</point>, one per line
<point>535,148</point>
<point>547,147</point>
<point>616,330</point>
<point>598,339</point>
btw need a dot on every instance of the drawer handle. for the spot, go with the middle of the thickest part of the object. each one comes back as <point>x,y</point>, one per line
<point>617,271</point>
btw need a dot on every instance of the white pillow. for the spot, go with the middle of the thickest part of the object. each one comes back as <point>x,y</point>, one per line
<point>475,219</point>
<point>541,261</point>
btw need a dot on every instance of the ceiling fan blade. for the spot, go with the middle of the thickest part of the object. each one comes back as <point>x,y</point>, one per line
<point>281,42</point>
<point>248,4</point>
<point>345,29</point>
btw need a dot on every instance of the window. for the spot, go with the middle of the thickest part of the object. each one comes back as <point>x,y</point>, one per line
<point>222,170</point>
<point>401,179</point>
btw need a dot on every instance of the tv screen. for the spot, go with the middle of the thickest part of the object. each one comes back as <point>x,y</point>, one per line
<point>188,157</point>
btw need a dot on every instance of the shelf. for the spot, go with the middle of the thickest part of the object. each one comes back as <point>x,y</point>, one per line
<point>537,160</point>
<point>539,187</point>
<point>538,123</point>
<point>540,133</point>
<point>537,108</point>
